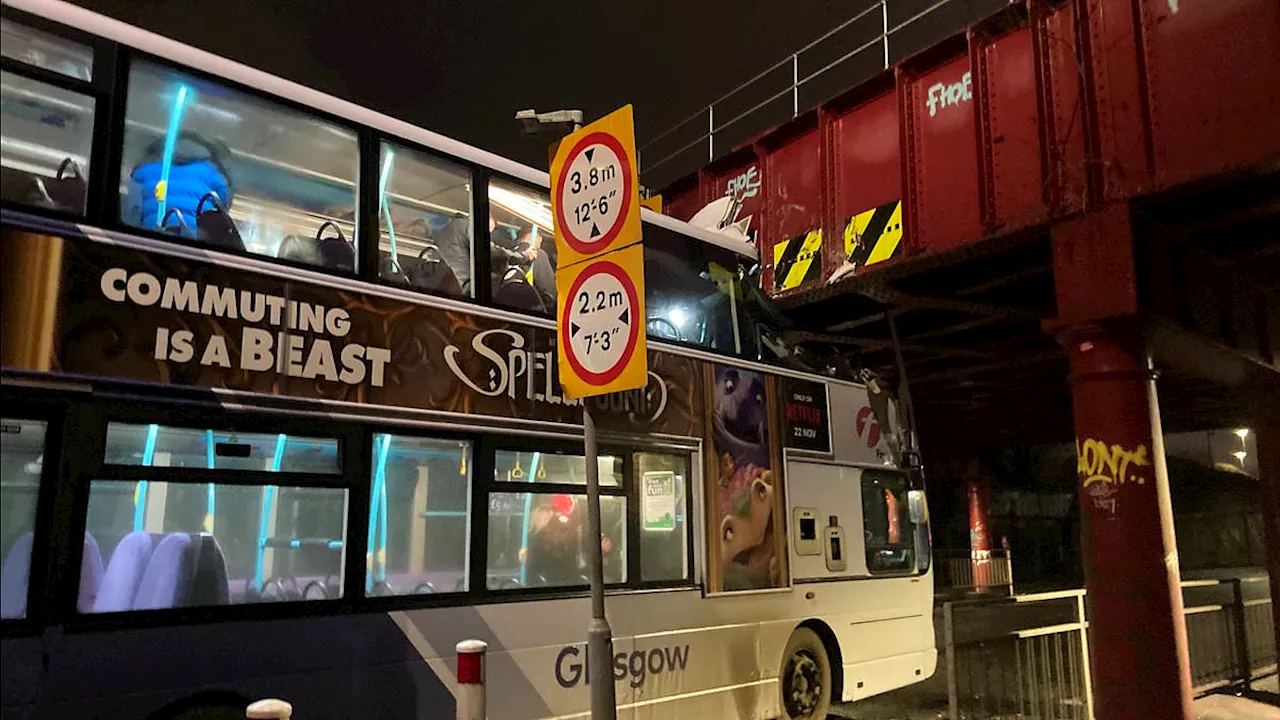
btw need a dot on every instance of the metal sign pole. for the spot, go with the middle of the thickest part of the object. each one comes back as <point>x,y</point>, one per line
<point>599,633</point>
<point>596,210</point>
<point>604,704</point>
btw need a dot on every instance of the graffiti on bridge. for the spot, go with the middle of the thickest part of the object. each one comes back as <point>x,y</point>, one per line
<point>1104,469</point>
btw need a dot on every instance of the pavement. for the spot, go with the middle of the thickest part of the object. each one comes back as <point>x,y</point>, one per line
<point>1263,703</point>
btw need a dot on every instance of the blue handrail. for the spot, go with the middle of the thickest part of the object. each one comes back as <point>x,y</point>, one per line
<point>268,504</point>
<point>140,490</point>
<point>387,163</point>
<point>170,147</point>
<point>211,495</point>
<point>375,560</point>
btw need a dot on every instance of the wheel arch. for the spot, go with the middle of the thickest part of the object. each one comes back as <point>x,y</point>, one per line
<point>832,646</point>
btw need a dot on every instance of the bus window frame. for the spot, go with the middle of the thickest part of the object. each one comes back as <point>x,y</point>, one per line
<point>42,575</point>
<point>128,57</point>
<point>370,144</point>
<point>100,87</point>
<point>484,485</point>
<point>86,465</point>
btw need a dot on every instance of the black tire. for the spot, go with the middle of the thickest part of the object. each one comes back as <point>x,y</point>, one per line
<point>805,678</point>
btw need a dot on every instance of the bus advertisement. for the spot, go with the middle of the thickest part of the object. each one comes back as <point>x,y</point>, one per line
<point>282,420</point>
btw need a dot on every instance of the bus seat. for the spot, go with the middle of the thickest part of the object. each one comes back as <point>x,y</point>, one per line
<point>14,578</point>
<point>333,251</point>
<point>69,190</point>
<point>209,585</point>
<point>124,572</point>
<point>90,574</point>
<point>167,579</point>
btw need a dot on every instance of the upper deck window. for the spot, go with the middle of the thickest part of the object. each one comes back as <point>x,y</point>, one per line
<point>693,295</point>
<point>45,51</point>
<point>522,249</point>
<point>46,133</point>
<point>425,217</point>
<point>217,166</point>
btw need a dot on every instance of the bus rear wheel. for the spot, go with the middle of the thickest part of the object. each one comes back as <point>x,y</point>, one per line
<point>805,677</point>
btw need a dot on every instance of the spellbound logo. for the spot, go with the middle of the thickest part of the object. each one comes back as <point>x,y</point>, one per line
<point>522,372</point>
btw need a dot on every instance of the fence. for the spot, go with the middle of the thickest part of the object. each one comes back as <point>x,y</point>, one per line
<point>965,571</point>
<point>1031,658</point>
<point>851,52</point>
<point>1229,631</point>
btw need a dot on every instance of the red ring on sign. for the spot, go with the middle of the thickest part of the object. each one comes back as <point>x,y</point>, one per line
<point>611,142</point>
<point>608,376</point>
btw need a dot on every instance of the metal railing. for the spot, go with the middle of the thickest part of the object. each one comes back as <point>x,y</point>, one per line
<point>965,571</point>
<point>787,80</point>
<point>1229,632</point>
<point>1031,659</point>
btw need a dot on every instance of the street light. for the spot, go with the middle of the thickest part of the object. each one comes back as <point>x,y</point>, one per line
<point>556,122</point>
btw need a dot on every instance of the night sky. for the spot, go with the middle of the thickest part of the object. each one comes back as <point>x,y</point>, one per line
<point>462,68</point>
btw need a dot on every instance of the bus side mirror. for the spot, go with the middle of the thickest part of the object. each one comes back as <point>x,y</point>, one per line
<point>917,507</point>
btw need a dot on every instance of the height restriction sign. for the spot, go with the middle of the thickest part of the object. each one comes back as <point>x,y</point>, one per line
<point>600,270</point>
<point>600,324</point>
<point>595,190</point>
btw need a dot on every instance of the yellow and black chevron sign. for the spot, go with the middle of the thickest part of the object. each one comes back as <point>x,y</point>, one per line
<point>797,260</point>
<point>874,235</point>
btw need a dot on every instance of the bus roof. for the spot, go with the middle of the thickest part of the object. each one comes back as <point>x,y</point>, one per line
<point>172,50</point>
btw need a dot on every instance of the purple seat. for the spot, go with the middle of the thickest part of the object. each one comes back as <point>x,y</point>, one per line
<point>124,572</point>
<point>167,580</point>
<point>14,578</point>
<point>90,575</point>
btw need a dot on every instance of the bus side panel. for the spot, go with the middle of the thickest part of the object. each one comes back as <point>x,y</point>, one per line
<point>856,434</point>
<point>342,666</point>
<point>20,658</point>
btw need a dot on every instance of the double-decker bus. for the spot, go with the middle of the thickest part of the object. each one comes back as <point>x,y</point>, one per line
<point>281,418</point>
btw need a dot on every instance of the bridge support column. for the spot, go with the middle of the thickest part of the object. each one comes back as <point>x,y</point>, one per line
<point>1137,633</point>
<point>978,490</point>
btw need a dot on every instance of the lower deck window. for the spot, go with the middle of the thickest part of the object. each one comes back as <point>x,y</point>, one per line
<point>418,516</point>
<point>166,545</point>
<point>539,540</point>
<point>21,464</point>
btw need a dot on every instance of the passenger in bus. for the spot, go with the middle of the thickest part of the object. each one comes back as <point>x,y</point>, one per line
<point>454,244</point>
<point>551,556</point>
<point>543,272</point>
<point>197,170</point>
<point>510,288</point>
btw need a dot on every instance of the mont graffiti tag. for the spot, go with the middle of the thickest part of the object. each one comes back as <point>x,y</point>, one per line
<point>1104,469</point>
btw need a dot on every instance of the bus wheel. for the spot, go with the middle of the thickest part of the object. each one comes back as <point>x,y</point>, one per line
<point>805,679</point>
